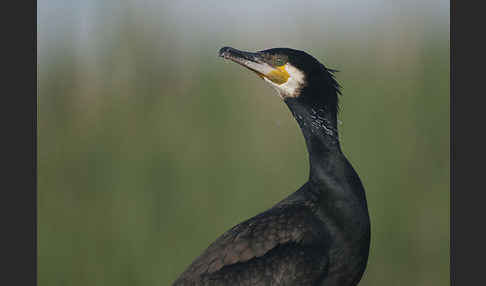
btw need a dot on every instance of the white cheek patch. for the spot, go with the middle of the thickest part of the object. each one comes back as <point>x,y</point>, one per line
<point>292,87</point>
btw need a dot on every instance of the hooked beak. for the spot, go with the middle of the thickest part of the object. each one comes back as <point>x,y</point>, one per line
<point>256,63</point>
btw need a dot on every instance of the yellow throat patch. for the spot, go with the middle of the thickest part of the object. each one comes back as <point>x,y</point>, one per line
<point>278,75</point>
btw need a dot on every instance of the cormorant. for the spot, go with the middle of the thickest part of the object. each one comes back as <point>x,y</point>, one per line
<point>320,234</point>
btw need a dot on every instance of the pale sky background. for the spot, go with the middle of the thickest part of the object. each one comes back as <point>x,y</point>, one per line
<point>255,24</point>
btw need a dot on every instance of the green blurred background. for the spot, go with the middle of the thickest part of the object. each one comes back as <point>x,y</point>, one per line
<point>150,146</point>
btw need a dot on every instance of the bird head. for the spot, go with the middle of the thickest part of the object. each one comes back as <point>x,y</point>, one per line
<point>295,74</point>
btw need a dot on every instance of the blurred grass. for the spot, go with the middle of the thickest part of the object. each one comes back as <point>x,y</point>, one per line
<point>148,152</point>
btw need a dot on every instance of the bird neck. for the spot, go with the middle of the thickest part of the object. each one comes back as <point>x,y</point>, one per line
<point>319,127</point>
<point>331,176</point>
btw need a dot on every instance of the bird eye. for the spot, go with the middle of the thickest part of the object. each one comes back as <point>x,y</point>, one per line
<point>279,61</point>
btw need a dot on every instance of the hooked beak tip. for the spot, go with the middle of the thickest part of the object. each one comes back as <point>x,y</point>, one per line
<point>225,52</point>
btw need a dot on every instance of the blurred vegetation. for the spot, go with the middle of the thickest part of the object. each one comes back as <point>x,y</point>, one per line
<point>149,146</point>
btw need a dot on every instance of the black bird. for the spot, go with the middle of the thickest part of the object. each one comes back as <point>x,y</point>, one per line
<point>320,234</point>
